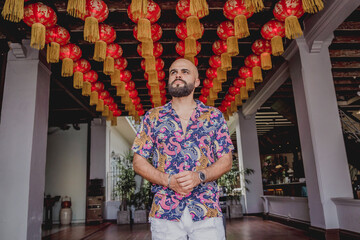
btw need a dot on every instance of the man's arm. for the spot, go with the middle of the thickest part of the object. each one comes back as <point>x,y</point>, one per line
<point>149,172</point>
<point>188,179</point>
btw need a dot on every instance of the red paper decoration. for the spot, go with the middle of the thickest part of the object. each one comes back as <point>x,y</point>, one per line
<point>114,50</point>
<point>262,47</point>
<point>58,35</point>
<point>120,63</point>
<point>157,51</point>
<point>82,65</point>
<point>274,30</point>
<point>68,54</point>
<point>106,33</point>
<point>183,10</point>
<point>159,64</point>
<point>180,48</point>
<point>90,76</point>
<point>181,30</point>
<point>219,47</point>
<point>237,11</point>
<point>225,30</point>
<point>153,13</point>
<point>215,61</point>
<point>156,32</point>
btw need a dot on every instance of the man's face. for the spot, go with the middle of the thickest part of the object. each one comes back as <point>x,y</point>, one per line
<point>183,78</point>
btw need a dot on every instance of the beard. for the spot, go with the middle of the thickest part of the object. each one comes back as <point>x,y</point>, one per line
<point>184,91</point>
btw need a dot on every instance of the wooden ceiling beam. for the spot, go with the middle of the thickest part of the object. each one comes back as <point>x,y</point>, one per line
<point>346,53</point>
<point>342,64</point>
<point>350,74</point>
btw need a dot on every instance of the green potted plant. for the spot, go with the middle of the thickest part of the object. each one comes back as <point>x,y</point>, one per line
<point>142,201</point>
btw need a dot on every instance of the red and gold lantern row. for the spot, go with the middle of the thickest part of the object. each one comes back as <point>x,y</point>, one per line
<point>102,97</point>
<point>180,48</point>
<point>55,37</point>
<point>113,51</point>
<point>262,47</point>
<point>246,73</point>
<point>274,30</point>
<point>241,83</point>
<point>81,66</point>
<point>159,65</point>
<point>96,12</point>
<point>235,91</point>
<point>13,10</point>
<point>253,61</point>
<point>226,32</point>
<point>119,65</point>
<point>39,17</point>
<point>237,11</point>
<point>107,35</point>
<point>89,78</point>
<point>69,53</point>
<point>96,88</point>
<point>156,51</point>
<point>289,11</point>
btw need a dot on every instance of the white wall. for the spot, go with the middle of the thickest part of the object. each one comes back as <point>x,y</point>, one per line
<point>66,169</point>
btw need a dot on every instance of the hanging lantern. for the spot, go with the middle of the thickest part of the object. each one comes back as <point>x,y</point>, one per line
<point>103,96</point>
<point>215,61</point>
<point>219,47</point>
<point>55,37</point>
<point>81,66</point>
<point>160,75</point>
<point>181,31</point>
<point>192,11</point>
<point>96,12</point>
<point>208,83</point>
<point>13,10</point>
<point>76,8</point>
<point>237,11</point>
<point>180,48</point>
<point>226,31</point>
<point>159,64</point>
<point>68,54</point>
<point>116,112</point>
<point>129,86</point>
<point>246,73</point>
<point>119,65</point>
<point>205,91</point>
<point>241,83</point>
<point>144,18</point>
<point>89,77</point>
<point>107,35</point>
<point>289,11</point>
<point>203,99</point>
<point>125,76</point>
<point>156,32</point>
<point>96,88</point>
<point>138,107</point>
<point>133,94</point>
<point>235,91</point>
<point>113,51</point>
<point>312,6</point>
<point>262,47</point>
<point>38,16</point>
<point>253,61</point>
<point>155,50</point>
<point>274,30</point>
<point>254,5</point>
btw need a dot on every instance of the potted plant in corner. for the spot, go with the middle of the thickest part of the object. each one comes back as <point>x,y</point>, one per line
<point>125,186</point>
<point>142,201</point>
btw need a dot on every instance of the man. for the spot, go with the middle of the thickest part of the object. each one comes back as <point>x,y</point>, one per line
<point>190,148</point>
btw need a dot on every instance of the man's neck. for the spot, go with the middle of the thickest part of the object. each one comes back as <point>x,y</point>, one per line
<point>184,103</point>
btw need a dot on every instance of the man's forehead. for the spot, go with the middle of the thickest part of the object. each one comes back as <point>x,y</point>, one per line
<point>182,64</point>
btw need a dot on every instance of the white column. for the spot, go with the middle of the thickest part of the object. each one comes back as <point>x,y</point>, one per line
<point>321,137</point>
<point>23,138</point>
<point>249,157</point>
<point>98,149</point>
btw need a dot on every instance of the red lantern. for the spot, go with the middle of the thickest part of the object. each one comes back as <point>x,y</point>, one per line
<point>208,83</point>
<point>233,90</point>
<point>39,17</point>
<point>106,97</point>
<point>237,11</point>
<point>159,64</point>
<point>289,11</point>
<point>226,31</point>
<point>180,48</point>
<point>96,12</point>
<point>116,112</point>
<point>215,61</point>
<point>68,54</point>
<point>183,10</point>
<point>203,99</point>
<point>238,82</point>
<point>135,101</point>
<point>246,73</point>
<point>55,36</point>
<point>262,47</point>
<point>107,35</point>
<point>133,93</point>
<point>157,50</point>
<point>160,75</point>
<point>97,86</point>
<point>253,61</point>
<point>205,91</point>
<point>181,30</point>
<point>138,107</point>
<point>222,109</point>
<point>274,30</point>
<point>129,86</point>
<point>113,106</point>
<point>89,77</point>
<point>229,98</point>
<point>120,63</point>
<point>141,112</point>
<point>81,66</point>
<point>153,13</point>
<point>211,73</point>
<point>219,47</point>
<point>156,32</point>
<point>125,76</point>
<point>113,51</point>
<point>162,85</point>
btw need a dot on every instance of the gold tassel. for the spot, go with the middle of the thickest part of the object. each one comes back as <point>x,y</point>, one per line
<point>37,36</point>
<point>241,26</point>
<point>292,27</point>
<point>155,92</point>
<point>67,67</point>
<point>190,47</point>
<point>138,8</point>
<point>238,100</point>
<point>76,8</point>
<point>193,27</point>
<point>244,93</point>
<point>100,106</point>
<point>277,47</point>
<point>233,107</point>
<point>126,99</point>
<point>105,113</point>
<point>232,46</point>
<point>110,116</point>
<point>100,51</point>
<point>150,65</point>
<point>199,8</point>
<point>257,75</point>
<point>210,102</point>
<point>226,62</point>
<point>120,90</point>
<point>228,111</point>
<point>254,5</point>
<point>91,30</point>
<point>212,94</point>
<point>221,75</point>
<point>144,30</point>
<point>13,10</point>
<point>147,49</point>
<point>226,116</point>
<point>115,78</point>
<point>86,90</point>
<point>217,87</point>
<point>190,58</point>
<point>312,6</point>
<point>114,122</point>
<point>153,79</point>
<point>250,84</point>
<point>78,81</point>
<point>266,61</point>
<point>53,52</point>
<point>94,97</point>
<point>109,66</point>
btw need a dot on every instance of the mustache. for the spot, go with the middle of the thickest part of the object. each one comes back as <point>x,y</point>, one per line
<point>178,79</point>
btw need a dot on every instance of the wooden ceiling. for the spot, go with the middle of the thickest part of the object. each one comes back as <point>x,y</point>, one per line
<point>67,105</point>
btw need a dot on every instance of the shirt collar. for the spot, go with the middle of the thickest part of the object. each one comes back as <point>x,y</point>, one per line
<point>200,107</point>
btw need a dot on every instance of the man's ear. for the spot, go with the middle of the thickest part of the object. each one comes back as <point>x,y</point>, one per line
<point>197,82</point>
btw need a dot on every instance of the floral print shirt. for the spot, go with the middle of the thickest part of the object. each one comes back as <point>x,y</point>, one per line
<point>206,139</point>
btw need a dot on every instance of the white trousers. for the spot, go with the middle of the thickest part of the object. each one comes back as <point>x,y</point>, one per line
<point>209,229</point>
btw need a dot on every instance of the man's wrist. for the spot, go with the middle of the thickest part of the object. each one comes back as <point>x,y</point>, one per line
<point>202,176</point>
